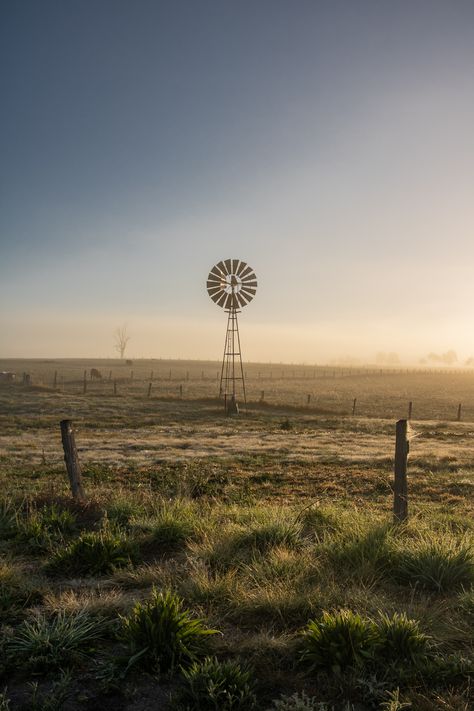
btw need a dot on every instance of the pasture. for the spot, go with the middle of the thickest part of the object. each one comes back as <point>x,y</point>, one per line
<point>259,523</point>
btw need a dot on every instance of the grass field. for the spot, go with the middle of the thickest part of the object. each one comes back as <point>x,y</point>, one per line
<point>258,524</point>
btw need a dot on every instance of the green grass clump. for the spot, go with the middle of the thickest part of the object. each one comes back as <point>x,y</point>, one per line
<point>8,519</point>
<point>94,553</point>
<point>401,641</point>
<point>16,591</point>
<point>440,565</point>
<point>173,524</point>
<point>40,528</point>
<point>162,634</point>
<point>212,685</point>
<point>365,552</point>
<point>297,702</point>
<point>339,641</point>
<point>51,643</point>
<point>120,513</point>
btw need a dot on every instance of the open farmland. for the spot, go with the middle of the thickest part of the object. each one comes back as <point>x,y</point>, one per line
<point>259,523</point>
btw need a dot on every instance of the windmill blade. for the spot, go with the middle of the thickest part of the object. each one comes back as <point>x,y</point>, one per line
<point>248,290</point>
<point>235,265</point>
<point>214,283</point>
<point>222,298</point>
<point>215,290</point>
<point>230,301</point>
<point>228,265</point>
<point>240,298</point>
<point>240,268</point>
<point>248,270</point>
<point>248,277</point>
<point>247,296</point>
<point>222,268</point>
<point>215,297</point>
<point>248,284</point>
<point>215,273</point>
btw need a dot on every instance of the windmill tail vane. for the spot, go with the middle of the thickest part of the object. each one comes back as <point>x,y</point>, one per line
<point>232,284</point>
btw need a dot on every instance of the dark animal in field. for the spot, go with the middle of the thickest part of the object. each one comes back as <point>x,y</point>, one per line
<point>129,362</point>
<point>7,376</point>
<point>95,374</point>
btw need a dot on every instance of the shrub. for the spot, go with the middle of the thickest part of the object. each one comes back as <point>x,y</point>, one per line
<point>43,643</point>
<point>438,566</point>
<point>338,641</point>
<point>217,686</point>
<point>94,553</point>
<point>162,634</point>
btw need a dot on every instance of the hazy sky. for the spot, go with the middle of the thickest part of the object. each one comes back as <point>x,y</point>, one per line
<point>330,144</point>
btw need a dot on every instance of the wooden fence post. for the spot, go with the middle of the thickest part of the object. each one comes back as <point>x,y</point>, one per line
<point>84,385</point>
<point>354,403</point>
<point>181,392</point>
<point>55,381</point>
<point>400,489</point>
<point>149,389</point>
<point>115,387</point>
<point>262,395</point>
<point>459,412</point>
<point>72,460</point>
<point>410,409</point>
<point>308,399</point>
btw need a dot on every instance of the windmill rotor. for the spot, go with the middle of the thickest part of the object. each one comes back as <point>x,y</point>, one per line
<point>232,284</point>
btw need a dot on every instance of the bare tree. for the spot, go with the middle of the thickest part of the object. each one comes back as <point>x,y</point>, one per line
<point>121,339</point>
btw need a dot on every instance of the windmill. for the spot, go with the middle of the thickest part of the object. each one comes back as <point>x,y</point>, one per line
<point>232,284</point>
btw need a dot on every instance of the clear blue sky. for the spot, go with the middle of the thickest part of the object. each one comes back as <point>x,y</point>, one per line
<point>329,144</point>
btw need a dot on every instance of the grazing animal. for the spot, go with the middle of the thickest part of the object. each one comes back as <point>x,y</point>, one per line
<point>129,362</point>
<point>95,374</point>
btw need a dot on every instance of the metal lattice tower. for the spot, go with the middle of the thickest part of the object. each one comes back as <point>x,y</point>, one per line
<point>232,284</point>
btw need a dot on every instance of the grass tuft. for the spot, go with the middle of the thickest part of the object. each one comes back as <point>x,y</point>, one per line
<point>94,553</point>
<point>162,634</point>
<point>42,644</point>
<point>338,641</point>
<point>212,685</point>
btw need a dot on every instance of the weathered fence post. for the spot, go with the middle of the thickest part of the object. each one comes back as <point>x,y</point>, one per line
<point>459,412</point>
<point>410,409</point>
<point>400,489</point>
<point>181,392</point>
<point>149,390</point>
<point>354,403</point>
<point>84,385</point>
<point>308,399</point>
<point>72,460</point>
<point>55,381</point>
<point>262,395</point>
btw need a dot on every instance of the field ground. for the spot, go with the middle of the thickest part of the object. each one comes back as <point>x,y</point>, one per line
<point>260,523</point>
